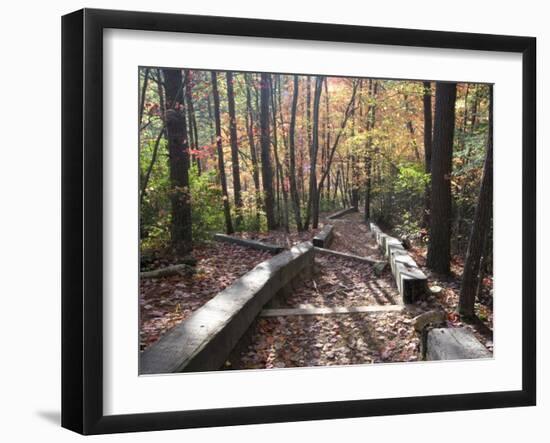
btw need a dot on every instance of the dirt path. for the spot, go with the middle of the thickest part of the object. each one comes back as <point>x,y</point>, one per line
<point>352,235</point>
<point>306,340</point>
<point>336,339</point>
<point>323,340</point>
<point>344,282</point>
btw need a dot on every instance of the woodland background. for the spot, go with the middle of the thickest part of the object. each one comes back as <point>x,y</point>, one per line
<point>416,156</point>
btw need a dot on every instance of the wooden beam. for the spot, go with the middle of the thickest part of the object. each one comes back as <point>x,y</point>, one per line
<point>274,249</point>
<point>350,256</point>
<point>338,310</point>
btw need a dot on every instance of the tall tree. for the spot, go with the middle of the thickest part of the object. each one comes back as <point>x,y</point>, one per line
<point>221,163</point>
<point>295,197</point>
<point>480,228</point>
<point>410,127</point>
<point>194,136</point>
<point>473,119</point>
<point>142,95</point>
<point>265,141</point>
<point>283,212</point>
<point>439,248</point>
<point>178,148</point>
<point>353,152</point>
<point>250,130</point>
<point>371,122</point>
<point>313,195</point>
<point>234,149</point>
<point>427,100</point>
<point>464,118</point>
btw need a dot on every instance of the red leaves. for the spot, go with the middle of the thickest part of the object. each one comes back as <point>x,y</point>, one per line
<point>453,317</point>
<point>202,152</point>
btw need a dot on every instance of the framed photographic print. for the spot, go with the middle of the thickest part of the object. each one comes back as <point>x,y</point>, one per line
<point>269,221</point>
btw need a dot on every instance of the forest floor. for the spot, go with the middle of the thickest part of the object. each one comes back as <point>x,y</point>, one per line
<point>335,339</point>
<point>447,297</point>
<point>347,339</point>
<point>165,302</point>
<point>311,340</point>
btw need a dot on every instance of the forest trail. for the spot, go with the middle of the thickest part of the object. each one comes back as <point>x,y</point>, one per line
<point>381,333</point>
<point>347,312</point>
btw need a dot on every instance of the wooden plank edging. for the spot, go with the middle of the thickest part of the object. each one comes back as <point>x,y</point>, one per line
<point>254,244</point>
<point>323,237</point>
<point>337,310</point>
<point>342,212</point>
<point>372,261</point>
<point>204,340</point>
<point>411,281</point>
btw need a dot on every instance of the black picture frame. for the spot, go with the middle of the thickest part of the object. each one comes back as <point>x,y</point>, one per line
<point>82,218</point>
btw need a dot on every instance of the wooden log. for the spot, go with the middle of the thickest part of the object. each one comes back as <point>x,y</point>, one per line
<point>350,256</point>
<point>254,244</point>
<point>338,310</point>
<point>204,341</point>
<point>181,269</point>
<point>342,213</point>
<point>324,237</point>
<point>454,344</point>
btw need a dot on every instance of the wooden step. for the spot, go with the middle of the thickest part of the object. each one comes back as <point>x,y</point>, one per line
<point>337,310</point>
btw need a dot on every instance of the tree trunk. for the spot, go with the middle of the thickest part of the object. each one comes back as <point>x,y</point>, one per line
<point>480,229</point>
<point>267,171</point>
<point>178,148</point>
<point>326,162</point>
<point>474,119</point>
<point>336,181</point>
<point>439,248</point>
<point>234,150</point>
<point>284,163</point>
<point>371,121</point>
<point>295,197</point>
<point>221,163</point>
<point>464,118</point>
<point>312,198</point>
<point>427,149</point>
<point>354,158</point>
<point>282,211</point>
<point>304,179</point>
<point>192,120</point>
<point>250,124</point>
<point>142,97</point>
<point>210,121</point>
<point>410,127</point>
<point>473,123</point>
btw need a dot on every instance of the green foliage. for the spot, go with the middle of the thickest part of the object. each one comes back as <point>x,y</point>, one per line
<point>155,208</point>
<point>251,218</point>
<point>206,202</point>
<point>408,226</point>
<point>412,179</point>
